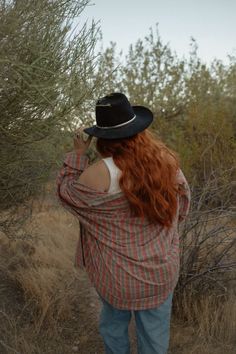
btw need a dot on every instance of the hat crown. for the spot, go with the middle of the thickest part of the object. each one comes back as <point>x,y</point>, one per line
<point>113,110</point>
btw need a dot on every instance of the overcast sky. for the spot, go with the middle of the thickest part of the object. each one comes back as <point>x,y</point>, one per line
<point>211,22</point>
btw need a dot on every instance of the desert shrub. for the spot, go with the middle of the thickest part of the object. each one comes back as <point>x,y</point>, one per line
<point>45,66</point>
<point>207,141</point>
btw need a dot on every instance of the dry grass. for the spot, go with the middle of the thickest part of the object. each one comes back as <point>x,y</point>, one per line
<point>48,307</point>
<point>41,271</point>
<point>43,267</point>
<point>209,323</point>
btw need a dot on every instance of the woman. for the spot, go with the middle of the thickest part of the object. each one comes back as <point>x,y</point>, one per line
<point>129,205</point>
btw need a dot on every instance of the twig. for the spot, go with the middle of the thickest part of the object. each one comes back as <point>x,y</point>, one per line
<point>8,347</point>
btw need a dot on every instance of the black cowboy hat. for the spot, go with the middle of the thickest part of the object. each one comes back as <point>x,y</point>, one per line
<point>116,118</point>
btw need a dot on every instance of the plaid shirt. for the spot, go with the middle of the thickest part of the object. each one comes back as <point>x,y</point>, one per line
<point>133,264</point>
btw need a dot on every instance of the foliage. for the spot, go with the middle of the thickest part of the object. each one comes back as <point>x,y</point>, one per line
<point>193,105</point>
<point>45,69</point>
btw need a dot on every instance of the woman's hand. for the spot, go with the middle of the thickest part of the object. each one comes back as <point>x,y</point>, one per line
<point>80,145</point>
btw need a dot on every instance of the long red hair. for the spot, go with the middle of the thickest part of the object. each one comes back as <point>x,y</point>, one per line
<point>148,177</point>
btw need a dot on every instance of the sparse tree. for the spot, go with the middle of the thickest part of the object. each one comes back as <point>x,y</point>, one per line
<point>46,67</point>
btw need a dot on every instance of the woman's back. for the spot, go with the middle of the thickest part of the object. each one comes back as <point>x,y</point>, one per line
<point>137,260</point>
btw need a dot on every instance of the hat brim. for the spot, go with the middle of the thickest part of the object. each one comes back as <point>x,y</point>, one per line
<point>143,119</point>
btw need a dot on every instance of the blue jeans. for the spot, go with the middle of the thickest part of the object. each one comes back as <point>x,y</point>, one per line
<point>152,328</point>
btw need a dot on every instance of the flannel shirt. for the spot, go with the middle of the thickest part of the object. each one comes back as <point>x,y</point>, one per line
<point>132,263</point>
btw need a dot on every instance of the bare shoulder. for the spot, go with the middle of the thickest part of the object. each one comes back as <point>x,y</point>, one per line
<point>96,176</point>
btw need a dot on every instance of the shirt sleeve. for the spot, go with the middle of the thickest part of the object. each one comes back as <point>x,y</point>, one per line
<point>184,196</point>
<point>74,164</point>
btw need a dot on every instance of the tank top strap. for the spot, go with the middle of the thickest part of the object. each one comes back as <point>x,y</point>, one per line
<point>115,173</point>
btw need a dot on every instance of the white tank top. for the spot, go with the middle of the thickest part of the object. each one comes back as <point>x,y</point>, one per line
<point>115,174</point>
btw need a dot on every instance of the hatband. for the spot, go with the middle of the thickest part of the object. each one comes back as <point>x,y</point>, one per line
<point>118,125</point>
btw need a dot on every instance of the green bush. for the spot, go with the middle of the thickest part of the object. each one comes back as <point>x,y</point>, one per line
<point>45,82</point>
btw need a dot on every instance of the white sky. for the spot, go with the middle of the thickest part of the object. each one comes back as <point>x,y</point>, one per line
<point>211,22</point>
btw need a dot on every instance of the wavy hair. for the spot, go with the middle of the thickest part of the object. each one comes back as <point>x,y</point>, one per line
<point>148,177</point>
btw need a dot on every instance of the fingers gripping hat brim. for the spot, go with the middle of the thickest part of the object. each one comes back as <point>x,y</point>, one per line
<point>143,118</point>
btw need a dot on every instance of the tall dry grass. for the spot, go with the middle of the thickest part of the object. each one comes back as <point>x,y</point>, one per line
<point>41,271</point>
<point>212,320</point>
